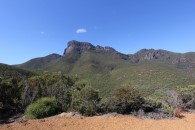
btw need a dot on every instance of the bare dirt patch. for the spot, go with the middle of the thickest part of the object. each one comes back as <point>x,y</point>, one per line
<point>116,122</point>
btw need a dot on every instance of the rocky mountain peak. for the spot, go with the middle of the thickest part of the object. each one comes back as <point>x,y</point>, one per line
<point>78,47</point>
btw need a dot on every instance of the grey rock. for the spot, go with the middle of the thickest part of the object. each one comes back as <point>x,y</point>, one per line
<point>76,46</point>
<point>106,49</point>
<point>149,54</point>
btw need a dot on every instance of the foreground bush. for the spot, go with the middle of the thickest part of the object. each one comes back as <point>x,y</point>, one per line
<point>85,101</point>
<point>157,106</point>
<point>43,107</point>
<point>127,99</point>
<point>10,96</point>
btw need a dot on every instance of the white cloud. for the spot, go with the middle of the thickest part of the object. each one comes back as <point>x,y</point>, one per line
<point>81,30</point>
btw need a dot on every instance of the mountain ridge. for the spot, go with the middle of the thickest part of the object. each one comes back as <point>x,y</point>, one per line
<point>152,71</point>
<point>86,47</point>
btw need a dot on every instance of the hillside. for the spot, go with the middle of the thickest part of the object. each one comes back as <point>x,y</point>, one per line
<point>153,71</point>
<point>7,71</point>
<point>40,62</point>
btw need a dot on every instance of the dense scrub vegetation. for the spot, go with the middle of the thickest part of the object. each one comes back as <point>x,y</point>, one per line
<point>10,96</point>
<point>50,93</point>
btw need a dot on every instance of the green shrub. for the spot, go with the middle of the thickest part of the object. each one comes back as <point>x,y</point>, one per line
<point>151,105</point>
<point>155,105</point>
<point>128,99</point>
<point>43,107</point>
<point>85,101</point>
<point>107,105</point>
<point>168,109</point>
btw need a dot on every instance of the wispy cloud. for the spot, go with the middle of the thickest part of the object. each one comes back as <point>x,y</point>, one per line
<point>42,33</point>
<point>81,30</point>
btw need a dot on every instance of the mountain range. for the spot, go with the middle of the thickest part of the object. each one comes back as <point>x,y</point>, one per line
<point>152,71</point>
<point>76,49</point>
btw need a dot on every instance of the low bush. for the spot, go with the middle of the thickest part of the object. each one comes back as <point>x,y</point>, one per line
<point>107,105</point>
<point>167,109</point>
<point>157,106</point>
<point>41,108</point>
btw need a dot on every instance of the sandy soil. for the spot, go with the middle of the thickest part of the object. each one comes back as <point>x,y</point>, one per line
<point>106,122</point>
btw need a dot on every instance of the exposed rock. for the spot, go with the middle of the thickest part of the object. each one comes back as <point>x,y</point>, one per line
<point>78,47</point>
<point>149,54</point>
<point>105,49</point>
<point>179,60</point>
<point>70,114</point>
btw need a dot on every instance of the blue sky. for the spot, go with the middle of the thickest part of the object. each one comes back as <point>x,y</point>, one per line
<point>35,28</point>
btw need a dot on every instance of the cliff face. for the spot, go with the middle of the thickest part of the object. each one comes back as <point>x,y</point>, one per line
<point>76,46</point>
<point>82,47</point>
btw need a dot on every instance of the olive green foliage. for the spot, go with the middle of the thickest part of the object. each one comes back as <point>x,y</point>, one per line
<point>187,95</point>
<point>48,84</point>
<point>85,101</point>
<point>41,108</point>
<point>128,99</point>
<point>188,90</point>
<point>7,71</point>
<point>102,72</point>
<point>10,96</point>
<point>158,106</point>
<point>107,71</point>
<point>18,92</point>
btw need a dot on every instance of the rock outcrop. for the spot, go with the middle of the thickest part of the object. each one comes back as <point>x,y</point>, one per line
<point>82,47</point>
<point>105,49</point>
<point>149,54</point>
<point>76,46</point>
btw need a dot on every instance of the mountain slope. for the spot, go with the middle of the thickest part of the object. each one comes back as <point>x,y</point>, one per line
<point>153,71</point>
<point>39,62</point>
<point>7,71</point>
